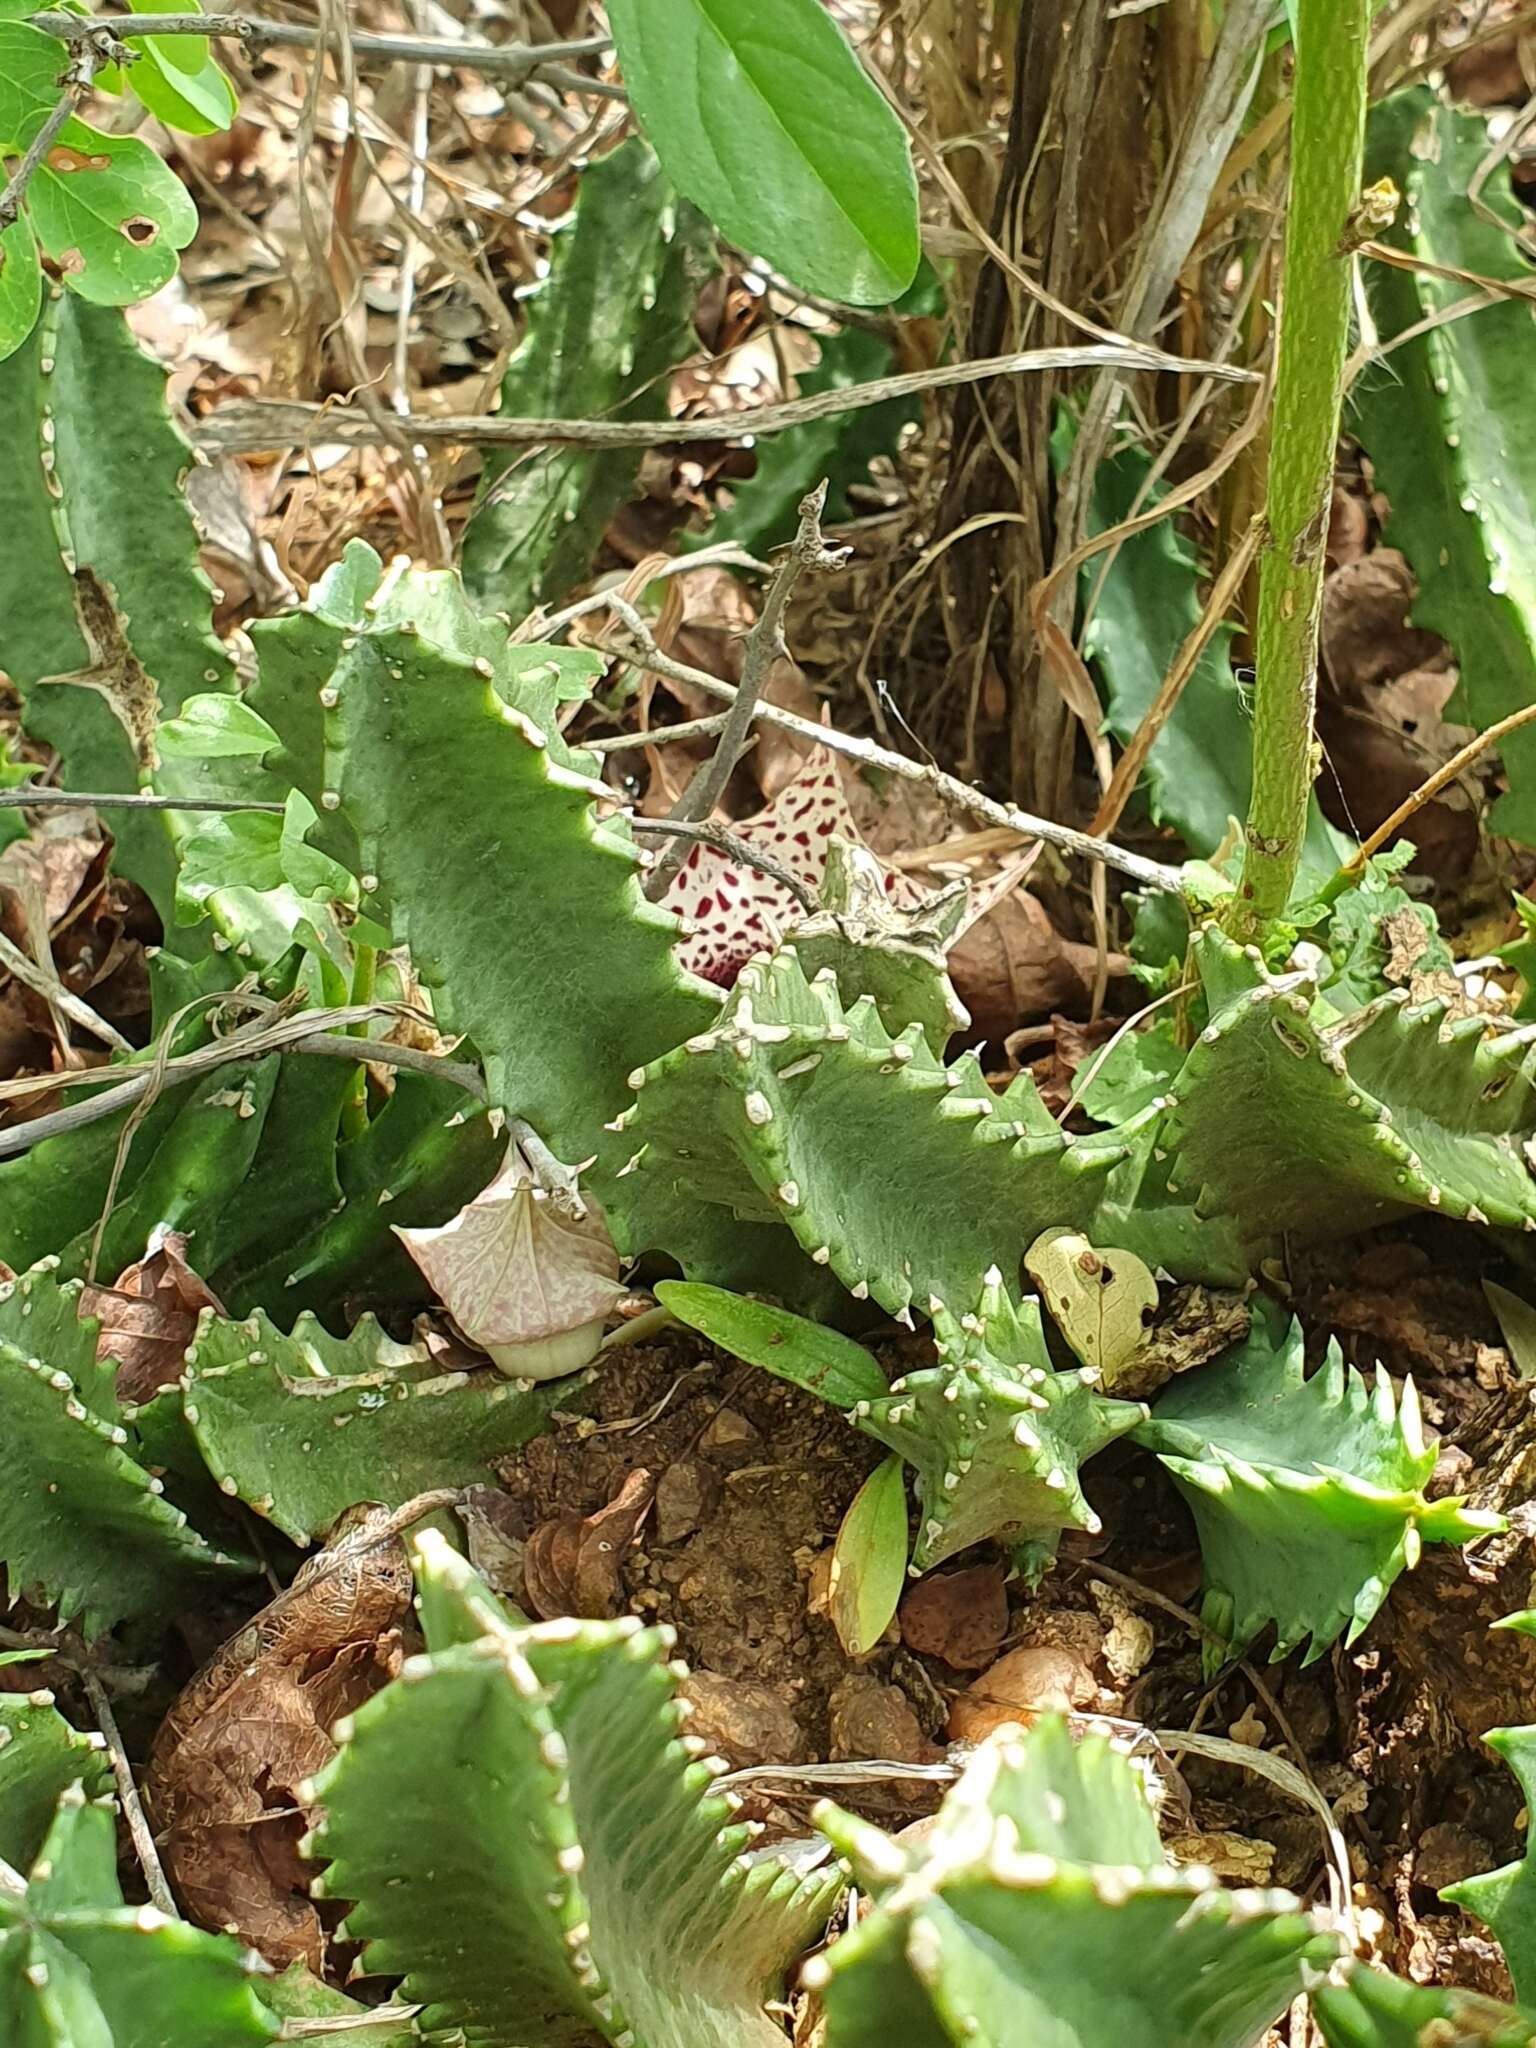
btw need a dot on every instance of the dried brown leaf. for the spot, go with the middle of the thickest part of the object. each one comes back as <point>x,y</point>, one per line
<point>149,1317</point>
<point>571,1566</point>
<point>1013,967</point>
<point>225,1772</point>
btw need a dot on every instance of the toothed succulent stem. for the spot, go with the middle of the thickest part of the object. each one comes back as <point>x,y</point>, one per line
<point>1328,141</point>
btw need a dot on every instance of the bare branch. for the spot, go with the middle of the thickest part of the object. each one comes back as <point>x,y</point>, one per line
<point>27,798</point>
<point>663,735</point>
<point>764,645</point>
<point>642,649</point>
<point>301,1032</point>
<point>735,848</point>
<point>284,423</point>
<point>510,63</point>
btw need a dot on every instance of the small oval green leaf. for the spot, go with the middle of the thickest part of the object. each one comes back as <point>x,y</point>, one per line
<point>763,116</point>
<point>791,1347</point>
<point>869,1559</point>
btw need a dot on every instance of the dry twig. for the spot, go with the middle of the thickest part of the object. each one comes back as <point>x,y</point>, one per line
<point>764,645</point>
<point>256,424</point>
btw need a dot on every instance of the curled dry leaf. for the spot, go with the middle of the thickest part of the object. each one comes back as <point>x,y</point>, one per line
<point>571,1565</point>
<point>149,1317</point>
<point>959,1617</point>
<point>524,1273</point>
<point>227,1772</point>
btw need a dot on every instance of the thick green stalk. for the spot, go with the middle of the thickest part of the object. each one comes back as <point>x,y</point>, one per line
<point>1328,133</point>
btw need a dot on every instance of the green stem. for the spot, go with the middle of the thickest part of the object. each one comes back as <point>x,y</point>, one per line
<point>354,1109</point>
<point>1327,144</point>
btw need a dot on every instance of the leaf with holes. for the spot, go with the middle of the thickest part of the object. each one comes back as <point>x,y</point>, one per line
<point>762,114</point>
<point>106,211</point>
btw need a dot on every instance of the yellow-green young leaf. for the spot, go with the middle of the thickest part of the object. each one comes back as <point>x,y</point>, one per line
<point>1100,1300</point>
<point>869,1559</point>
<point>762,115</point>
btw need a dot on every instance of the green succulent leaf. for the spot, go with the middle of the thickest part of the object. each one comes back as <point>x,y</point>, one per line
<point>302,1427</point>
<point>105,615</point>
<point>77,1965</point>
<point>608,1899</point>
<point>422,749</point>
<point>1040,1908</point>
<point>807,1354</point>
<point>1437,420</point>
<point>905,1178</point>
<point>1505,1900</point>
<point>1371,2009</point>
<point>41,1756</point>
<point>609,324</point>
<point>894,956</point>
<point>1308,1494</point>
<point>995,1435</point>
<point>82,1523</point>
<point>1345,1121</point>
<point>762,115</point>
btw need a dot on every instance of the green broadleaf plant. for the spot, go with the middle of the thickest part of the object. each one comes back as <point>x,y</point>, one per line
<point>105,210</point>
<point>762,115</point>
